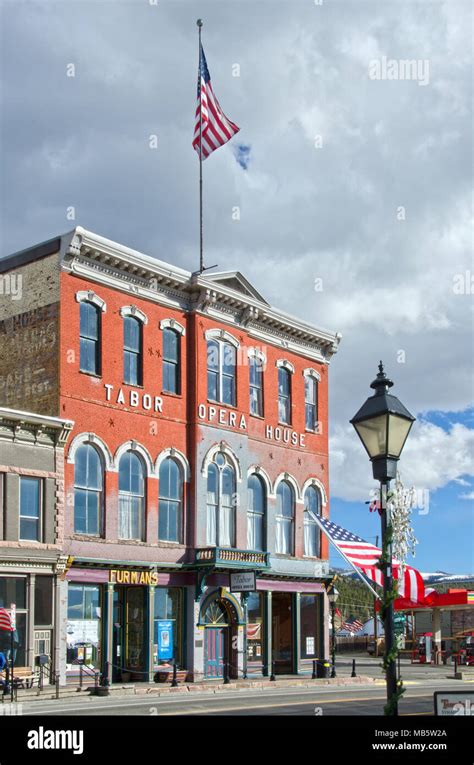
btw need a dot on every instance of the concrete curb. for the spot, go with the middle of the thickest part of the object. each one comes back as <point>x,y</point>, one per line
<point>159,689</point>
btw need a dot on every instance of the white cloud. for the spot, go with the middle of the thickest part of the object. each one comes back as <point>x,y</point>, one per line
<point>432,457</point>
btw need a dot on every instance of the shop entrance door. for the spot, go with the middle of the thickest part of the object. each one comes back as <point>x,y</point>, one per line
<point>129,633</point>
<point>135,628</point>
<point>282,632</point>
<point>215,651</point>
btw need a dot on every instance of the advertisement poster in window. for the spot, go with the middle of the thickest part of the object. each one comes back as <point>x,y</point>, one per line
<point>164,638</point>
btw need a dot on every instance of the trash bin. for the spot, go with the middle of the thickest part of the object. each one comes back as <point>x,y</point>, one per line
<point>322,668</point>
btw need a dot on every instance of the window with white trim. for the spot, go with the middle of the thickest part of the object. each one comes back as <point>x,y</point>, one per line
<point>171,361</point>
<point>170,521</point>
<point>255,513</point>
<point>284,396</point>
<point>131,497</point>
<point>256,385</point>
<point>89,338</point>
<point>221,372</point>
<point>88,491</point>
<point>221,500</point>
<point>132,351</point>
<point>285,518</point>
<point>311,403</point>
<point>30,509</point>
<point>312,532</point>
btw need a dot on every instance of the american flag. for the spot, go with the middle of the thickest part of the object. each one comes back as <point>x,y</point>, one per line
<point>352,625</point>
<point>5,620</point>
<point>365,556</point>
<point>216,128</point>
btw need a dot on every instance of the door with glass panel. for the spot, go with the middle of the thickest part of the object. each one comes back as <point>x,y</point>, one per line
<point>135,643</point>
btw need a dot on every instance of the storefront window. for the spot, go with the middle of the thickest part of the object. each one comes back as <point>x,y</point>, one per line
<point>309,626</point>
<point>83,626</point>
<point>12,590</point>
<point>19,641</point>
<point>168,617</point>
<point>43,600</point>
<point>255,628</point>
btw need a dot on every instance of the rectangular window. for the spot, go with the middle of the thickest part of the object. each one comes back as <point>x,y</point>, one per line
<point>89,339</point>
<point>256,386</point>
<point>43,601</point>
<point>132,351</point>
<point>83,625</point>
<point>12,590</point>
<point>311,403</point>
<point>171,361</point>
<point>30,509</point>
<point>284,396</point>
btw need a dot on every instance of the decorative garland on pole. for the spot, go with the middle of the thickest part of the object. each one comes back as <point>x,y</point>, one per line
<point>387,599</point>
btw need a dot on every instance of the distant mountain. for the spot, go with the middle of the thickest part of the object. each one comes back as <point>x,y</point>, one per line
<point>440,577</point>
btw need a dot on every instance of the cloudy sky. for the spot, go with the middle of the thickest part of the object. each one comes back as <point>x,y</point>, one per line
<point>352,183</point>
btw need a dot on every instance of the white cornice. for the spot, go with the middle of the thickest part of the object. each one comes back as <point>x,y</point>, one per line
<point>106,262</point>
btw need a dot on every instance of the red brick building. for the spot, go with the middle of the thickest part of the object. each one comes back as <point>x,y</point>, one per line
<point>200,436</point>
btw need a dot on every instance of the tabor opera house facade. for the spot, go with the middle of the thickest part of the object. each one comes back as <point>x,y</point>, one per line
<point>199,442</point>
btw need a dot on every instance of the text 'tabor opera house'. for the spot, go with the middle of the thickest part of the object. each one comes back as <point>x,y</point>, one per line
<point>200,440</point>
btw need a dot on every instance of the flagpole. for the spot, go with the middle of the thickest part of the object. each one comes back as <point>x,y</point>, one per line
<point>201,255</point>
<point>359,573</point>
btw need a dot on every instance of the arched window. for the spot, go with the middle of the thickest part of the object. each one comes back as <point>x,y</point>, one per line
<point>220,529</point>
<point>132,351</point>
<point>131,497</point>
<point>256,385</point>
<point>221,372</point>
<point>285,518</point>
<point>255,513</point>
<point>88,490</point>
<point>311,403</point>
<point>171,361</point>
<point>170,522</point>
<point>312,534</point>
<point>89,331</point>
<point>284,396</point>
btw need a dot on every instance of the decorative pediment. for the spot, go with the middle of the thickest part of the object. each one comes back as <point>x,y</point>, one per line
<point>233,280</point>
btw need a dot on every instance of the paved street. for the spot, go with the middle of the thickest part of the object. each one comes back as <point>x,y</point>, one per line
<point>358,699</point>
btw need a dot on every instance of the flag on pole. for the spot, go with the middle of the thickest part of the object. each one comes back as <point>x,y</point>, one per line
<point>352,625</point>
<point>365,556</point>
<point>212,128</point>
<point>5,621</point>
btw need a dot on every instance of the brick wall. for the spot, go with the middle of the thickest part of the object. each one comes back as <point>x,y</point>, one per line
<point>29,337</point>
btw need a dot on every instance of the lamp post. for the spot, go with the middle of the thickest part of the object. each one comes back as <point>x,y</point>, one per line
<point>333,595</point>
<point>383,425</point>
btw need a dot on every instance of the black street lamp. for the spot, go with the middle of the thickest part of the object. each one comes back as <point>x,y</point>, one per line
<point>333,595</point>
<point>383,425</point>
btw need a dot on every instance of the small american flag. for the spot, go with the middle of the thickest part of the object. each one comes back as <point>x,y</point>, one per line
<point>216,128</point>
<point>353,625</point>
<point>363,555</point>
<point>5,620</point>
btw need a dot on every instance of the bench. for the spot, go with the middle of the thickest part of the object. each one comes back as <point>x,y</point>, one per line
<point>23,677</point>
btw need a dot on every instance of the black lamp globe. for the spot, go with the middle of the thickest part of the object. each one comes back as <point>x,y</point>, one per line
<point>383,425</point>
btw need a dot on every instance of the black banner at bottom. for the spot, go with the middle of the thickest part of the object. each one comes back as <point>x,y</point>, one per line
<point>123,738</point>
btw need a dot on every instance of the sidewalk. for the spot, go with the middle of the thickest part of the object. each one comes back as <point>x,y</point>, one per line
<point>207,686</point>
